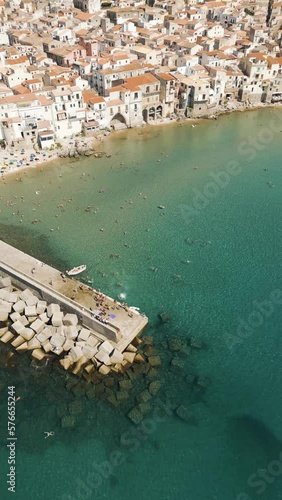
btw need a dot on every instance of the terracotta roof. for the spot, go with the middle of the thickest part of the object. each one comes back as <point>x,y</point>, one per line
<point>19,60</point>
<point>166,76</point>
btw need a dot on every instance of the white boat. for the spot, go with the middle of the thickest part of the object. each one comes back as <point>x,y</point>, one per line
<point>76,270</point>
<point>161,207</point>
<point>135,309</point>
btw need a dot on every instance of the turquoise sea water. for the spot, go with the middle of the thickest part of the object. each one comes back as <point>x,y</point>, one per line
<point>210,259</point>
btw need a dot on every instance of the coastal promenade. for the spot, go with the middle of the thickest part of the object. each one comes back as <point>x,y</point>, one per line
<point>120,326</point>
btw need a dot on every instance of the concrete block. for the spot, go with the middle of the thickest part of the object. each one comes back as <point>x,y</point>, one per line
<point>47,347</point>
<point>32,300</point>
<point>131,348</point>
<point>12,297</point>
<point>43,317</point>
<point>24,320</point>
<point>75,353</point>
<point>69,344</point>
<point>66,363</point>
<point>27,333</point>
<point>41,307</point>
<point>60,330</point>
<point>25,294</point>
<point>5,307</point>
<point>89,368</point>
<point>84,334</point>
<point>38,326</point>
<point>57,340</point>
<point>52,309</point>
<point>57,318</point>
<point>22,348</point>
<point>104,370</point>
<point>106,347</point>
<point>129,356</point>
<point>7,337</point>
<point>30,311</point>
<point>33,344</point>
<point>71,332</point>
<point>103,357</point>
<point>18,341</point>
<point>47,332</point>
<point>83,361</point>
<point>43,337</point>
<point>3,330</point>
<point>19,306</point>
<point>89,351</point>
<point>4,282</point>
<point>31,319</point>
<point>70,320</point>
<point>92,341</point>
<point>38,354</point>
<point>4,294</point>
<point>116,357</point>
<point>56,350</point>
<point>15,316</point>
<point>4,316</point>
<point>18,327</point>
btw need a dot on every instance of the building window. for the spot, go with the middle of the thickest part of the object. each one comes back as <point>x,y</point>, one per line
<point>135,95</point>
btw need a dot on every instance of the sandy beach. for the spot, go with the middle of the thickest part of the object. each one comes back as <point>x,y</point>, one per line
<point>18,159</point>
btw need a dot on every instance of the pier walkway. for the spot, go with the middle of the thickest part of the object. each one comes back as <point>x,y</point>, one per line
<point>73,297</point>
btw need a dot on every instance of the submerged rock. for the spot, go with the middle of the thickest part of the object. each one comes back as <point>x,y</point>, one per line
<point>184,352</point>
<point>174,345</point>
<point>177,365</point>
<point>144,396</point>
<point>125,384</point>
<point>91,393</point>
<point>149,350</point>
<point>113,400</point>
<point>186,415</point>
<point>135,415</point>
<point>68,421</point>
<point>203,382</point>
<point>75,407</point>
<point>148,340</point>
<point>122,396</point>
<point>155,361</point>
<point>196,343</point>
<point>144,408</point>
<point>152,373</point>
<point>154,387</point>
<point>190,378</point>
<point>164,317</point>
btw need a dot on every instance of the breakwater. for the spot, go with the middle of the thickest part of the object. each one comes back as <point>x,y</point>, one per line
<point>39,312</point>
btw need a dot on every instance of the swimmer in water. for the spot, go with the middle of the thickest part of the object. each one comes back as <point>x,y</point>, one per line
<point>48,434</point>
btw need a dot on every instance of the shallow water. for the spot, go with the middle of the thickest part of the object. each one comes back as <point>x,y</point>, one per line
<point>208,259</point>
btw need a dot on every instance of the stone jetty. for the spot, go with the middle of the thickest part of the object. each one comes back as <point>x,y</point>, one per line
<point>35,316</point>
